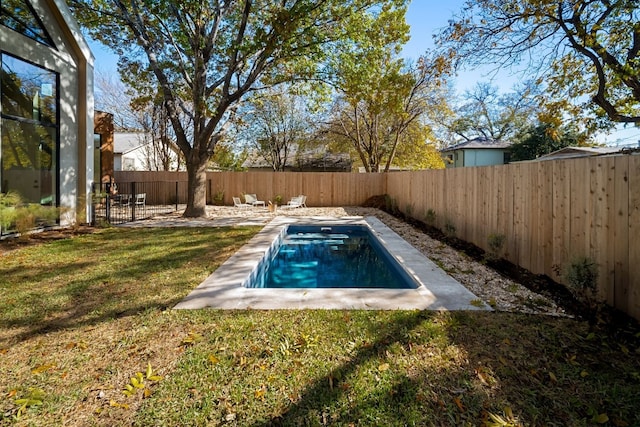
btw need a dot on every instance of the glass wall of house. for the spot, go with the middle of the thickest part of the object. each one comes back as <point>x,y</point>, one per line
<point>29,133</point>
<point>97,158</point>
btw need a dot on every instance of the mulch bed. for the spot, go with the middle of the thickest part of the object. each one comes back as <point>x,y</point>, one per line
<point>11,242</point>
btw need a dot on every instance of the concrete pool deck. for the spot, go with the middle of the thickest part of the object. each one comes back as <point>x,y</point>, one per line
<point>224,289</point>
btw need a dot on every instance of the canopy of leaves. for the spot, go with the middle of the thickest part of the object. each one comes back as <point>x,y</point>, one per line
<point>544,139</point>
<point>381,100</point>
<point>585,50</point>
<point>207,55</point>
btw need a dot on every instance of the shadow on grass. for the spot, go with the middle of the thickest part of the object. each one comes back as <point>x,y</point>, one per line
<point>543,370</point>
<point>114,274</point>
<point>410,398</point>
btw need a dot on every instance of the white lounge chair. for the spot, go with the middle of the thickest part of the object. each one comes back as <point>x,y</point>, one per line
<point>296,202</point>
<point>252,200</point>
<point>237,203</point>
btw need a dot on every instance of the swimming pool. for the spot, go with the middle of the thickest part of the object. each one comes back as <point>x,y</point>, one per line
<point>226,287</point>
<point>337,256</point>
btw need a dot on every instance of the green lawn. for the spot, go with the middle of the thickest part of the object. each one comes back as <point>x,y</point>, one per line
<point>88,337</point>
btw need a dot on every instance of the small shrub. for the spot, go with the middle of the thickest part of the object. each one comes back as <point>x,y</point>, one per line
<point>449,228</point>
<point>430,217</point>
<point>277,200</point>
<point>495,242</point>
<point>8,209</point>
<point>218,197</point>
<point>409,209</point>
<point>391,205</point>
<point>32,215</point>
<point>14,213</point>
<point>581,276</point>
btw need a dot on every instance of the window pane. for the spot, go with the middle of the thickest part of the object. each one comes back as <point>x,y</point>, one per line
<point>29,133</point>
<point>28,91</point>
<point>29,161</point>
<point>19,16</point>
<point>97,158</point>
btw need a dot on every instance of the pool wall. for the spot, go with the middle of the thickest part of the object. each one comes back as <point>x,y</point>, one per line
<point>225,287</point>
<point>397,275</point>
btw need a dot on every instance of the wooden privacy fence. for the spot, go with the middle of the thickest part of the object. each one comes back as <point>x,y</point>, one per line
<point>550,212</point>
<point>321,188</point>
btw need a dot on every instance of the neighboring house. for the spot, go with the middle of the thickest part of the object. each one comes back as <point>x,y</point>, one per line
<point>575,152</point>
<point>477,152</point>
<point>46,86</point>
<point>317,160</point>
<point>134,151</point>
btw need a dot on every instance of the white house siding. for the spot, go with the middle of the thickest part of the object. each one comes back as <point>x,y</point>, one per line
<point>133,152</point>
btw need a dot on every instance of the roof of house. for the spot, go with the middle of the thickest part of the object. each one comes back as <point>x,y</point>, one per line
<point>573,152</point>
<point>124,142</point>
<point>479,143</point>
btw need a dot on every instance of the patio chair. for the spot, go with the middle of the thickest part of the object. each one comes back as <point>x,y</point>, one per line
<point>237,203</point>
<point>140,201</point>
<point>252,200</point>
<point>123,200</point>
<point>295,202</point>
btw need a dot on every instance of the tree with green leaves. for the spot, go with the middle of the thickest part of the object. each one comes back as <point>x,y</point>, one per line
<point>381,100</point>
<point>543,139</point>
<point>227,157</point>
<point>585,50</point>
<point>207,55</point>
<point>275,124</point>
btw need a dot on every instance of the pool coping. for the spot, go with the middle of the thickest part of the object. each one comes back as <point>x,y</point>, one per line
<point>436,291</point>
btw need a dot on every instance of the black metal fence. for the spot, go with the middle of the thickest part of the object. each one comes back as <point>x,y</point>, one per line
<point>132,201</point>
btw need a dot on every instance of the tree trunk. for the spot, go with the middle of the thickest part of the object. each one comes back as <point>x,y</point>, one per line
<point>196,188</point>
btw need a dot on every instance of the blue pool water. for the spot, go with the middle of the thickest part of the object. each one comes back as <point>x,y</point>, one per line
<point>341,256</point>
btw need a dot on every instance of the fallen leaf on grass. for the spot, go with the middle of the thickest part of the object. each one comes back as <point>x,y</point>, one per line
<point>485,377</point>
<point>43,368</point>
<point>81,345</point>
<point>601,418</point>
<point>150,375</point>
<point>259,394</point>
<point>383,367</point>
<point>191,339</point>
<point>115,404</point>
<point>458,403</point>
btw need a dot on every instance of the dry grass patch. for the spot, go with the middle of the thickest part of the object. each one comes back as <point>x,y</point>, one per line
<point>81,316</point>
